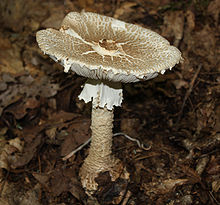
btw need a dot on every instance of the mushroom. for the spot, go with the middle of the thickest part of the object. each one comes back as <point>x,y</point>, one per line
<point>108,52</point>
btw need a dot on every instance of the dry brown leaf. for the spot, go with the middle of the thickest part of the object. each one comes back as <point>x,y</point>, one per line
<point>13,195</point>
<point>217,123</point>
<point>41,178</point>
<point>214,9</point>
<point>55,18</point>
<point>163,187</point>
<point>25,89</point>
<point>10,59</point>
<point>4,202</point>
<point>86,4</point>
<point>203,43</point>
<point>59,183</point>
<point>126,7</point>
<point>20,110</point>
<point>190,21</point>
<point>78,134</point>
<point>201,165</point>
<point>17,143</point>
<point>10,150</point>
<point>206,37</point>
<point>3,86</point>
<point>206,116</point>
<point>13,13</point>
<point>173,26</point>
<point>216,185</point>
<point>213,166</point>
<point>25,157</point>
<point>62,117</point>
<point>180,83</point>
<point>76,189</point>
<point>130,125</point>
<point>51,133</point>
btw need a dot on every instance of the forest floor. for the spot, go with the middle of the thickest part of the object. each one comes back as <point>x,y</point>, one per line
<point>176,115</point>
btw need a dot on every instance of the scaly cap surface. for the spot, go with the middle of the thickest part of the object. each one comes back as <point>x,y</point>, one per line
<point>101,47</point>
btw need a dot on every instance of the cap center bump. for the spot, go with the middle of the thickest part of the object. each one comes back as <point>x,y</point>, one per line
<point>108,44</point>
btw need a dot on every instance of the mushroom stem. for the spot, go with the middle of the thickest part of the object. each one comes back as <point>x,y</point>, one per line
<point>101,144</point>
<point>99,158</point>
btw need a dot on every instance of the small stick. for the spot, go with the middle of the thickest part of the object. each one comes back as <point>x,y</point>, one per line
<point>126,198</point>
<point>189,91</point>
<point>212,196</point>
<point>3,181</point>
<point>141,145</point>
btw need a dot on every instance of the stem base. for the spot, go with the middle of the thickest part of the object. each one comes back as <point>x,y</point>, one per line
<point>116,171</point>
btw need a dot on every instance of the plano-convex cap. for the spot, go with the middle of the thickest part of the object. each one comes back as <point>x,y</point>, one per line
<point>101,47</point>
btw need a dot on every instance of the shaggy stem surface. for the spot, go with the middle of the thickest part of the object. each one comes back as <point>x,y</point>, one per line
<point>100,153</point>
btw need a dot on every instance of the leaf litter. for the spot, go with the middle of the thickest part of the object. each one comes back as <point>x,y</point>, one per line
<point>175,115</point>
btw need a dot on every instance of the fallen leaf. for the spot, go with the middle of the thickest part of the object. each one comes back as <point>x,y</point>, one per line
<point>41,178</point>
<point>126,7</point>
<point>214,9</point>
<point>10,59</point>
<point>58,183</point>
<point>27,154</point>
<point>78,134</point>
<point>201,165</point>
<point>180,83</point>
<point>130,125</point>
<point>163,187</point>
<point>20,110</point>
<point>10,150</point>
<point>12,194</point>
<point>26,90</point>
<point>190,21</point>
<point>173,26</point>
<point>55,18</point>
<point>216,185</point>
<point>213,167</point>
<point>76,190</point>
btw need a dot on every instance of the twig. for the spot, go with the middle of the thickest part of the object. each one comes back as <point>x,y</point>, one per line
<point>126,198</point>
<point>208,81</point>
<point>212,196</point>
<point>3,183</point>
<point>189,91</point>
<point>141,145</point>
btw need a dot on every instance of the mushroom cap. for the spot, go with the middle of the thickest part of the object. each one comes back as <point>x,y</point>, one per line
<point>104,48</point>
